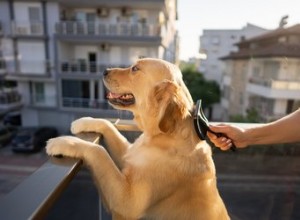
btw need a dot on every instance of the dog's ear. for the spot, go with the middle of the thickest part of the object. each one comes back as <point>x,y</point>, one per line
<point>171,103</point>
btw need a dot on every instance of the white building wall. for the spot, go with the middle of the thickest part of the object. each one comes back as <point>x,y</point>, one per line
<point>280,106</point>
<point>115,55</point>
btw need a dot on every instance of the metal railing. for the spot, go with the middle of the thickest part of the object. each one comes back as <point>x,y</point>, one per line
<point>68,102</point>
<point>34,197</point>
<point>24,67</point>
<point>276,83</point>
<point>48,183</point>
<point>29,28</point>
<point>83,66</point>
<point>96,28</point>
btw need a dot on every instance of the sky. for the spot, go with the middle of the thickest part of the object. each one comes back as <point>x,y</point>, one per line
<point>196,15</point>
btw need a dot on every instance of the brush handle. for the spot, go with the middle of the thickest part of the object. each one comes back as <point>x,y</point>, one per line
<point>232,148</point>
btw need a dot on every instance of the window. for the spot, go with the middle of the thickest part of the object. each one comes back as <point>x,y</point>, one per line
<point>215,40</point>
<point>34,14</point>
<point>37,93</point>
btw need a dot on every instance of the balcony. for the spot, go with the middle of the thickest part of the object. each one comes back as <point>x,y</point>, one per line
<point>80,29</point>
<point>83,67</point>
<point>87,103</point>
<point>28,67</point>
<point>48,184</point>
<point>68,102</point>
<point>10,99</point>
<point>274,88</point>
<point>29,28</point>
<point>267,185</point>
<point>41,100</point>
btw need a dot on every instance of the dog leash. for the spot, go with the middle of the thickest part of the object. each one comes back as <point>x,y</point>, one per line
<point>201,124</point>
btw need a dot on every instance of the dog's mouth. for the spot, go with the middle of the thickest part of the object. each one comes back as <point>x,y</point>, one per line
<point>124,99</point>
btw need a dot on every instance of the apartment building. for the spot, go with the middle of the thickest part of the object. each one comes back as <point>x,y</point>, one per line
<point>55,51</point>
<point>264,74</point>
<point>215,43</point>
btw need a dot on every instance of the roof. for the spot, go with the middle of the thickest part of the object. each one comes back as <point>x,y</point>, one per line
<point>275,33</point>
<point>268,45</point>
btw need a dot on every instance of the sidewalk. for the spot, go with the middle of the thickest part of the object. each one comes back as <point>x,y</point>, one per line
<point>14,168</point>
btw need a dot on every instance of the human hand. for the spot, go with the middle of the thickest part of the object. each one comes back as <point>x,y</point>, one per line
<point>231,134</point>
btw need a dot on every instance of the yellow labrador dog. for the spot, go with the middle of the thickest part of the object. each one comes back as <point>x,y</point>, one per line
<point>168,172</point>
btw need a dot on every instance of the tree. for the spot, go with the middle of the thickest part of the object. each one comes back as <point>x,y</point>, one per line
<point>200,88</point>
<point>252,116</point>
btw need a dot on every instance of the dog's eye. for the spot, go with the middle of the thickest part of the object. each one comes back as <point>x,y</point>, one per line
<point>134,68</point>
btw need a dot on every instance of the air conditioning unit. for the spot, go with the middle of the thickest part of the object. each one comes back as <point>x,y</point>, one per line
<point>104,47</point>
<point>102,12</point>
<point>36,28</point>
<point>126,12</point>
<point>22,30</point>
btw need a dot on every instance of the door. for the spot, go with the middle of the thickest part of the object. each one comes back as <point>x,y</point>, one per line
<point>92,57</point>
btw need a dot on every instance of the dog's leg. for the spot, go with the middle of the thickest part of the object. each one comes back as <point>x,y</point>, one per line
<point>119,193</point>
<point>116,143</point>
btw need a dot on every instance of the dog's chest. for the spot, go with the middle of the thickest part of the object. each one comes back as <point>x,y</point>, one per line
<point>142,156</point>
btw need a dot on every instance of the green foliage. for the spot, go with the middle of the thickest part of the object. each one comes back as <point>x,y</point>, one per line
<point>251,117</point>
<point>199,87</point>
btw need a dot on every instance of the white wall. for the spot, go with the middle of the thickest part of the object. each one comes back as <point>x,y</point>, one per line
<point>81,52</point>
<point>280,107</point>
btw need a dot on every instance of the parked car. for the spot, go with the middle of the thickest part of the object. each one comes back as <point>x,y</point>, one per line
<point>12,119</point>
<point>32,139</point>
<point>6,134</point>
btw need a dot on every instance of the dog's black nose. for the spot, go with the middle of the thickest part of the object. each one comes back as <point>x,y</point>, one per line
<point>105,72</point>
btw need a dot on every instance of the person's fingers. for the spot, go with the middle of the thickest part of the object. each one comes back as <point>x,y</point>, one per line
<point>211,136</point>
<point>226,145</point>
<point>222,142</point>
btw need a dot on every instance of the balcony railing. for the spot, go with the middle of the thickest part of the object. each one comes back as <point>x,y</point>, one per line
<point>277,84</point>
<point>29,28</point>
<point>82,66</point>
<point>95,28</point>
<point>42,100</point>
<point>48,183</point>
<point>24,67</point>
<point>69,102</point>
<point>10,100</point>
<point>36,195</point>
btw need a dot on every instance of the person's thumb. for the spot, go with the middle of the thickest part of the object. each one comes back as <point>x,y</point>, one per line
<point>219,128</point>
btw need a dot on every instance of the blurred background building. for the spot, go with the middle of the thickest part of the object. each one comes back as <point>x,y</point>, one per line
<point>263,74</point>
<point>53,53</point>
<point>215,44</point>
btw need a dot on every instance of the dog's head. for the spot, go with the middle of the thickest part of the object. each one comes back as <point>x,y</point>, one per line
<point>153,90</point>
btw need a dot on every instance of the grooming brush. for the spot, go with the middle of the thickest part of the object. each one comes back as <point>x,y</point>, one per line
<point>202,126</point>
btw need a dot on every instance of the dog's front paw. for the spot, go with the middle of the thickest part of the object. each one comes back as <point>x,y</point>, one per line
<point>84,124</point>
<point>89,124</point>
<point>66,146</point>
